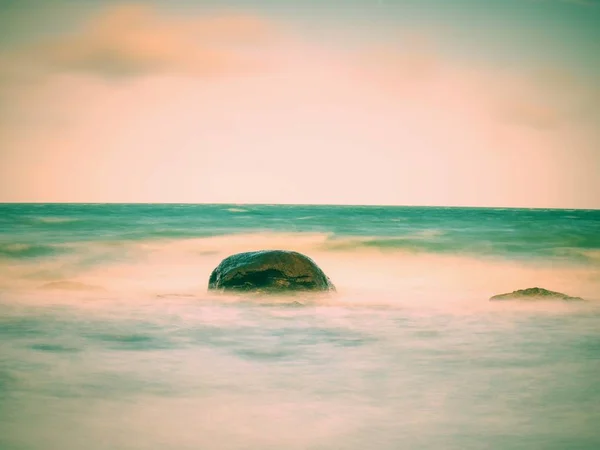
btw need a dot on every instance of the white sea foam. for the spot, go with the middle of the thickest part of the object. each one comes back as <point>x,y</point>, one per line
<point>189,373</point>
<point>119,345</point>
<point>363,275</point>
<point>236,210</point>
<point>16,247</point>
<point>56,219</point>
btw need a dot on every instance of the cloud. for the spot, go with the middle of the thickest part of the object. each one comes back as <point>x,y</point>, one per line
<point>549,99</point>
<point>418,74</point>
<point>413,123</point>
<point>133,39</point>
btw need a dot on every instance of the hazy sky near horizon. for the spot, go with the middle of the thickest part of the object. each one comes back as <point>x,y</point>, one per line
<point>430,102</point>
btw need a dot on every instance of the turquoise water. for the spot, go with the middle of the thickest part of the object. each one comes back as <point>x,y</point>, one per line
<point>109,339</point>
<point>48,228</point>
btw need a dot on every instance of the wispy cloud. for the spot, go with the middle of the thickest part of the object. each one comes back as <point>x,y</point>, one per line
<point>402,114</point>
<point>133,39</point>
<point>544,99</point>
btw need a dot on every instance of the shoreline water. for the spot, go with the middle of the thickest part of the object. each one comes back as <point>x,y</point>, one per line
<point>109,338</point>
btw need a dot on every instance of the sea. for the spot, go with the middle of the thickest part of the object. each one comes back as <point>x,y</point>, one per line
<point>110,339</point>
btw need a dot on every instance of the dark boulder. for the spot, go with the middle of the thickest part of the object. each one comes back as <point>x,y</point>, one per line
<point>269,271</point>
<point>534,294</point>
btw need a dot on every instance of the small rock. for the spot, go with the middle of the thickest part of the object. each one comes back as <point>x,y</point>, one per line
<point>535,293</point>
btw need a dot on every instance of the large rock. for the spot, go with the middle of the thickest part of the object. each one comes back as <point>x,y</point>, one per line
<point>269,271</point>
<point>535,293</point>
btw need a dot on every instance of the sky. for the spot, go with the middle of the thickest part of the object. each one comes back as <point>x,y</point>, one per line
<point>432,102</point>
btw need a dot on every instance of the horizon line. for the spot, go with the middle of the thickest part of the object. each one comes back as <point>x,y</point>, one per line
<point>301,204</point>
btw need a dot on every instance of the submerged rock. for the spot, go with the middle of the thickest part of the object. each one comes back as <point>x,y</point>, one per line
<point>269,271</point>
<point>535,293</point>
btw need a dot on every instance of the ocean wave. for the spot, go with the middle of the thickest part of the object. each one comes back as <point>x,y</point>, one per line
<point>424,239</point>
<point>66,285</point>
<point>55,219</point>
<point>422,264</point>
<point>239,242</point>
<point>590,255</point>
<point>169,241</point>
<point>236,210</point>
<point>22,250</point>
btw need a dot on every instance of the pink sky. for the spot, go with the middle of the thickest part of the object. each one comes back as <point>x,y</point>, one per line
<point>138,105</point>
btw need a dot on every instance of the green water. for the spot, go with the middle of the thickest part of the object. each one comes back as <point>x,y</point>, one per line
<point>110,340</point>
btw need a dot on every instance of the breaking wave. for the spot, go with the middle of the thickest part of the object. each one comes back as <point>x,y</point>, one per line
<point>365,270</point>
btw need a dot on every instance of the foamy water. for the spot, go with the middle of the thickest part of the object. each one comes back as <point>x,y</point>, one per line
<point>110,340</point>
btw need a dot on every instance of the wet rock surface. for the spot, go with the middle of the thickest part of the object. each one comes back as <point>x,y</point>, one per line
<point>535,293</point>
<point>276,271</point>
